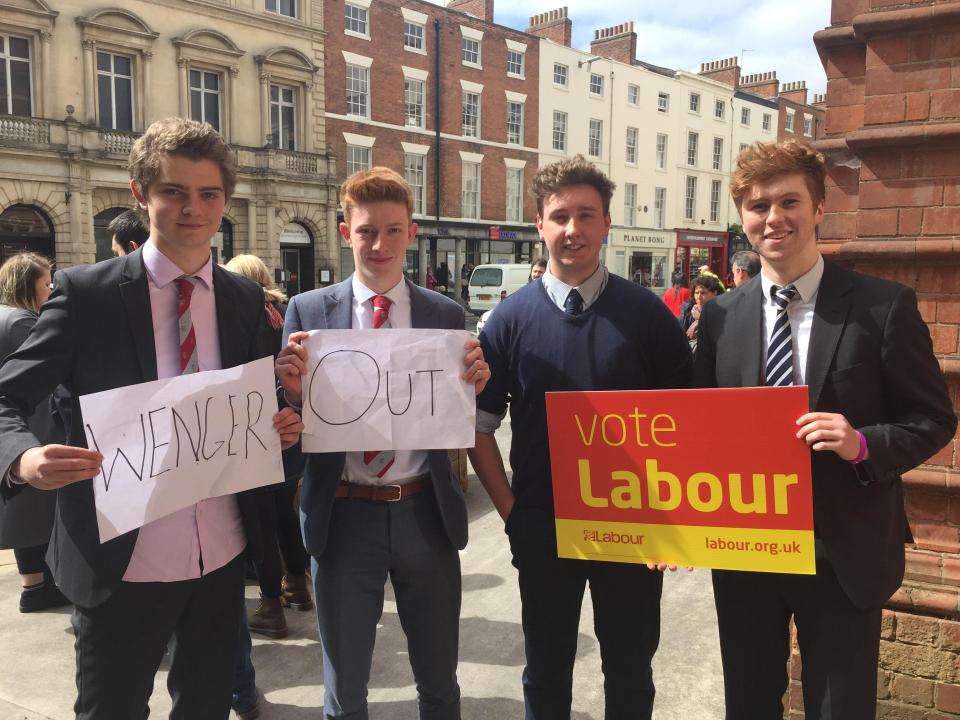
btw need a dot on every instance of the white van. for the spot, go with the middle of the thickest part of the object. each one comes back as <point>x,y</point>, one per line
<point>489,284</point>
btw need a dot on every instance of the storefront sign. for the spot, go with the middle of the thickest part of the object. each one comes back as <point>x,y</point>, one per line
<point>294,234</point>
<point>699,239</point>
<point>652,476</point>
<point>657,240</point>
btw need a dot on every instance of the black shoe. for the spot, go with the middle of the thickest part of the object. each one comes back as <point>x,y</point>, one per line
<point>42,597</point>
<point>250,713</point>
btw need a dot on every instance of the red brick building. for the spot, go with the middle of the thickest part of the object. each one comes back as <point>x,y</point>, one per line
<point>447,97</point>
<point>892,141</point>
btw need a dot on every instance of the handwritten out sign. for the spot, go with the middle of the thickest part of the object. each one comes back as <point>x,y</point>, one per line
<point>709,478</point>
<point>387,390</point>
<point>170,443</point>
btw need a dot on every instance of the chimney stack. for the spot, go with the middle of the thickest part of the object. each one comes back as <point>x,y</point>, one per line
<point>552,25</point>
<point>819,101</point>
<point>795,91</point>
<point>726,71</point>
<point>764,83</point>
<point>482,9</point>
<point>618,42</point>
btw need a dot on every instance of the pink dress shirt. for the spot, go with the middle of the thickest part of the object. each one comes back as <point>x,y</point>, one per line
<point>204,537</point>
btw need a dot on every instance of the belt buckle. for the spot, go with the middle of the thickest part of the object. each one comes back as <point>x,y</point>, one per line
<point>399,496</point>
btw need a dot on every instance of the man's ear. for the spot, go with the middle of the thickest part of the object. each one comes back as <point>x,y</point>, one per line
<point>138,194</point>
<point>345,232</point>
<point>134,245</point>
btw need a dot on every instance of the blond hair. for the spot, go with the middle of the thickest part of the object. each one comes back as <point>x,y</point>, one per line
<point>762,162</point>
<point>378,184</point>
<point>254,268</point>
<point>18,280</point>
<point>185,138</point>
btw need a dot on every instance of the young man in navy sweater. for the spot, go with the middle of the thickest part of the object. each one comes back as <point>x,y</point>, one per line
<point>576,328</point>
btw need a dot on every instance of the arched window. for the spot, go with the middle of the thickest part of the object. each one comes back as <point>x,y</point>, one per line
<point>24,227</point>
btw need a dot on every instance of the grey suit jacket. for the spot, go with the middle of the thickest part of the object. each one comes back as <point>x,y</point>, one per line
<point>870,358</point>
<point>331,308</point>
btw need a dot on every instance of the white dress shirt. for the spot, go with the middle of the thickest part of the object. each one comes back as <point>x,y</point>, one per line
<point>799,314</point>
<point>407,464</point>
<point>589,289</point>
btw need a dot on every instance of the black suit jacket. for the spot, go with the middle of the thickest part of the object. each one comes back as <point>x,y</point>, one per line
<point>96,333</point>
<point>871,359</point>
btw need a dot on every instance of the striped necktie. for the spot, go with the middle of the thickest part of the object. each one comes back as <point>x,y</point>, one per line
<point>780,349</point>
<point>188,339</point>
<point>379,461</point>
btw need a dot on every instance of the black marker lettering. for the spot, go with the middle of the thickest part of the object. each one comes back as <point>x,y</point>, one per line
<point>233,424</point>
<point>432,393</point>
<point>194,448</point>
<point>206,433</point>
<point>153,442</point>
<point>409,394</point>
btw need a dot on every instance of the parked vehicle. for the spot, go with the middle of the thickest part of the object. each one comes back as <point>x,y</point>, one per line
<point>489,284</point>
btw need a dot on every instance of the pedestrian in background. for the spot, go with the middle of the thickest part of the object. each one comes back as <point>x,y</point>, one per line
<point>677,295</point>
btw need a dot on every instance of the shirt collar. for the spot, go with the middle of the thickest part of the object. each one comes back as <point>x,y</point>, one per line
<point>589,289</point>
<point>807,284</point>
<point>361,293</point>
<point>163,271</point>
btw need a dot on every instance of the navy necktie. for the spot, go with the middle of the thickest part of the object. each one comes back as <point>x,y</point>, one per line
<point>780,349</point>
<point>573,305</point>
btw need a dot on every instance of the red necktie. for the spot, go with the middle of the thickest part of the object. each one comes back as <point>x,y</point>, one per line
<point>379,461</point>
<point>188,339</point>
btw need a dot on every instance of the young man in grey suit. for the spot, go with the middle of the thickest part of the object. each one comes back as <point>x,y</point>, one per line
<point>372,515</point>
<point>878,407</point>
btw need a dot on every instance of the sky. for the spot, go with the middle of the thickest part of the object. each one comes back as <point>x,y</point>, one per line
<point>680,34</point>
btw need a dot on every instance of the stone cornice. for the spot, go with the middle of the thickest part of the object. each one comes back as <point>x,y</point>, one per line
<point>898,250</point>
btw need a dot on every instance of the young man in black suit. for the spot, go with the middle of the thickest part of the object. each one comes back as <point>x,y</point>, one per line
<point>161,311</point>
<point>878,407</point>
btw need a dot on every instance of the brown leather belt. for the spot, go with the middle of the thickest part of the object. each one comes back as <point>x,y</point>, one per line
<point>383,493</point>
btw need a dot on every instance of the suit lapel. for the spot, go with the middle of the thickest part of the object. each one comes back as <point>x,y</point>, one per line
<point>227,302</point>
<point>136,302</point>
<point>338,307</point>
<point>829,318</point>
<point>423,314</point>
<point>748,331</point>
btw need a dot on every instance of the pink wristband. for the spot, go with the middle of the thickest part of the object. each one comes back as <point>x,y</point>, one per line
<point>862,455</point>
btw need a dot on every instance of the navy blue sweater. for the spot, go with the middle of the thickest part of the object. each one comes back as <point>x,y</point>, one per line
<point>626,340</point>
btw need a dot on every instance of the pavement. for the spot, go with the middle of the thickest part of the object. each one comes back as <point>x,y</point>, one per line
<point>36,650</point>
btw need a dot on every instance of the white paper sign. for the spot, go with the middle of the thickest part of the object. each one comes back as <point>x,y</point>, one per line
<point>387,390</point>
<point>170,443</point>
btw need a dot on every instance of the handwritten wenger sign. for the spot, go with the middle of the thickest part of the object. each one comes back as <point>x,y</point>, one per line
<point>387,389</point>
<point>708,478</point>
<point>170,443</point>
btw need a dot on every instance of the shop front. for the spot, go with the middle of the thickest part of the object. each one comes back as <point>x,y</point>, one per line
<point>641,255</point>
<point>696,248</point>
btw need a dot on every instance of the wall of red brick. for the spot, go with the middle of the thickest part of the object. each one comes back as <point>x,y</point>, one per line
<point>893,210</point>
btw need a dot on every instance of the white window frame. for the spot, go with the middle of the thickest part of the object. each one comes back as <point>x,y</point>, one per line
<point>715,189</point>
<point>519,50</point>
<point>630,204</point>
<point>630,145</point>
<point>693,148</point>
<point>414,92</point>
<point>470,172</point>
<point>280,103</point>
<point>361,75</point>
<point>473,130</point>
<point>8,60</point>
<point>471,36</point>
<point>559,140</point>
<point>113,75</point>
<point>719,109</point>
<point>663,102</point>
<point>564,74</point>
<point>351,155</point>
<point>695,103</point>
<point>515,138</point>
<point>596,84</point>
<point>767,120</point>
<point>414,169</point>
<point>659,207</point>
<point>595,138</point>
<point>745,116</point>
<point>788,123</point>
<point>362,20</point>
<point>203,91</point>
<point>660,157</point>
<point>690,198</point>
<point>414,19</point>
<point>514,205</point>
<point>807,125</point>
<point>633,94</point>
<point>718,154</point>
<point>295,4</point>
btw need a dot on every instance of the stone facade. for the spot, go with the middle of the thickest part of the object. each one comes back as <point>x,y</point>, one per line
<point>98,75</point>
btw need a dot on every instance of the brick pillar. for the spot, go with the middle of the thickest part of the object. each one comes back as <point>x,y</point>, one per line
<point>893,210</point>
